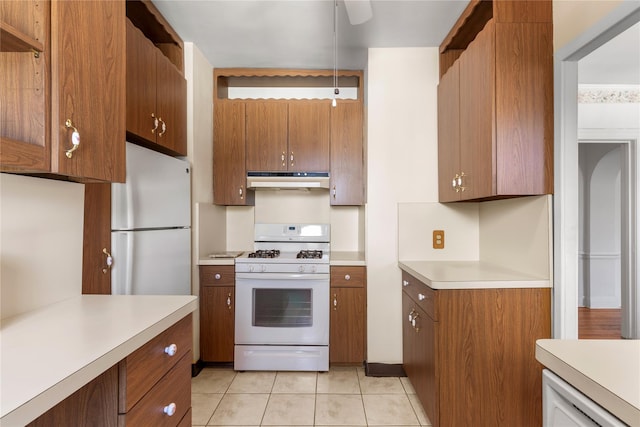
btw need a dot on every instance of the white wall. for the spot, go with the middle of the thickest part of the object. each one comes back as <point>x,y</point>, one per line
<point>41,224</point>
<point>573,17</point>
<point>402,167</point>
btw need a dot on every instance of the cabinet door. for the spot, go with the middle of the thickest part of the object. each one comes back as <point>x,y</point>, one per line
<point>347,325</point>
<point>309,127</point>
<point>347,155</point>
<point>88,46</point>
<point>96,274</point>
<point>217,316</point>
<point>449,133</point>
<point>141,84</point>
<point>420,355</point>
<point>266,136</point>
<point>477,116</point>
<point>171,105</point>
<point>229,173</point>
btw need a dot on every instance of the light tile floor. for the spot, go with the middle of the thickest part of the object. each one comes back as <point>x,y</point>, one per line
<point>344,396</point>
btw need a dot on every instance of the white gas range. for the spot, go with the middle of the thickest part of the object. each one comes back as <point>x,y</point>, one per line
<point>282,299</point>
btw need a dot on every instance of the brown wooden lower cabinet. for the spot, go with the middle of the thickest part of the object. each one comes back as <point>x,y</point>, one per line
<point>217,313</point>
<point>348,315</point>
<point>470,353</point>
<point>137,390</point>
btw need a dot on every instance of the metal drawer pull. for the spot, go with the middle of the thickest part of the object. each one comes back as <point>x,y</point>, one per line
<point>411,315</point>
<point>171,350</point>
<point>170,409</point>
<point>75,138</point>
<point>347,277</point>
<point>413,322</point>
<point>421,297</point>
<point>217,276</point>
<point>164,127</point>
<point>155,123</point>
<point>108,261</point>
<point>405,283</point>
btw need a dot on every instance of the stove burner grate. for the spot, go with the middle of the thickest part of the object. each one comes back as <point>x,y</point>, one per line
<point>309,254</point>
<point>263,253</point>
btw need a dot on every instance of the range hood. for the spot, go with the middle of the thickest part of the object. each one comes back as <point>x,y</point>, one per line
<point>287,180</point>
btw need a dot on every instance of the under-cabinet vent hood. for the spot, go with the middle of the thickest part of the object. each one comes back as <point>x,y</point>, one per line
<point>287,180</point>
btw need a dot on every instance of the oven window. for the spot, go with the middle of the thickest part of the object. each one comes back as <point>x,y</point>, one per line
<point>282,308</point>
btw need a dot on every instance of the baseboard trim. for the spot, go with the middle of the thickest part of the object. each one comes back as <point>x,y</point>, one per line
<point>196,368</point>
<point>383,370</point>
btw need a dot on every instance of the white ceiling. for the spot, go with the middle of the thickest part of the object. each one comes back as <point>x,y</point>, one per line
<point>299,33</point>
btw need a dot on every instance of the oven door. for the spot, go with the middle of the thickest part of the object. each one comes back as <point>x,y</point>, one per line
<point>282,309</point>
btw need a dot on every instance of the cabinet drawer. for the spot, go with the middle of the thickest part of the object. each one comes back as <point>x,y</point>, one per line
<point>142,369</point>
<point>174,388</point>
<point>217,275</point>
<point>425,297</point>
<point>348,277</point>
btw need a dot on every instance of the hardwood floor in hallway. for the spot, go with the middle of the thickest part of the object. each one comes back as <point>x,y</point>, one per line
<point>599,323</point>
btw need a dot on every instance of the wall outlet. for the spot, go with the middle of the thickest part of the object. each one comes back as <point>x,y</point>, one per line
<point>438,239</point>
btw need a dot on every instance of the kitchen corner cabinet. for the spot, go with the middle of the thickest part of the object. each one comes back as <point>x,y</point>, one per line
<point>63,86</point>
<point>347,177</point>
<point>151,386</point>
<point>495,103</point>
<point>156,95</point>
<point>217,313</point>
<point>348,308</point>
<point>470,353</point>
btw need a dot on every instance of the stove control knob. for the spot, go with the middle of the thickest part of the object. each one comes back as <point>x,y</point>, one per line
<point>301,269</point>
<point>314,269</point>
<point>251,268</point>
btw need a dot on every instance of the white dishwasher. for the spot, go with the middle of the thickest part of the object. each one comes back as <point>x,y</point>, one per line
<point>565,406</point>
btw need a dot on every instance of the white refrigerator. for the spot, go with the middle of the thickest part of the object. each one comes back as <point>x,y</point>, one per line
<point>151,226</point>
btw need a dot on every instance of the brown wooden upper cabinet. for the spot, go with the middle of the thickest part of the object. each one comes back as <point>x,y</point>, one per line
<point>495,103</point>
<point>347,176</point>
<point>63,91</point>
<point>288,136</point>
<point>156,95</point>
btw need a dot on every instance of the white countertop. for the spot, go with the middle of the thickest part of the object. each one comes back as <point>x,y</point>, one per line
<point>607,371</point>
<point>49,353</point>
<point>347,258</point>
<point>470,275</point>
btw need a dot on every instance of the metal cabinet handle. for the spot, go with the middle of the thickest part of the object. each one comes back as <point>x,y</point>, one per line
<point>421,297</point>
<point>241,192</point>
<point>405,283</point>
<point>414,323</point>
<point>171,350</point>
<point>217,276</point>
<point>292,158</point>
<point>164,127</point>
<point>229,301</point>
<point>413,311</point>
<point>75,138</point>
<point>460,186</point>
<point>347,277</point>
<point>108,261</point>
<point>170,409</point>
<point>333,191</point>
<point>283,159</point>
<point>335,301</point>
<point>155,123</point>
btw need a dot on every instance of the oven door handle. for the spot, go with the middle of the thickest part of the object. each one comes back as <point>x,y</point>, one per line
<point>256,277</point>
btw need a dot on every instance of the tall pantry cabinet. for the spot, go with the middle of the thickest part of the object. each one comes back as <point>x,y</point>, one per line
<point>63,69</point>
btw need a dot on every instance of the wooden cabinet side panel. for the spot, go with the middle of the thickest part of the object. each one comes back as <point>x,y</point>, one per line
<point>347,155</point>
<point>477,116</point>
<point>96,237</point>
<point>266,124</point>
<point>141,83</point>
<point>171,98</point>
<point>217,319</point>
<point>347,325</point>
<point>309,128</point>
<point>229,173</point>
<point>523,11</point>
<point>524,108</point>
<point>95,403</point>
<point>449,133</point>
<point>487,338</point>
<point>88,87</point>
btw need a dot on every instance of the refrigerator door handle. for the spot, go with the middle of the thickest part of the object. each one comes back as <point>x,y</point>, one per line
<point>129,279</point>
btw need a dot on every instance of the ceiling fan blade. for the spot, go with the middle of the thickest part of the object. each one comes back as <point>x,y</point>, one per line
<point>358,11</point>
